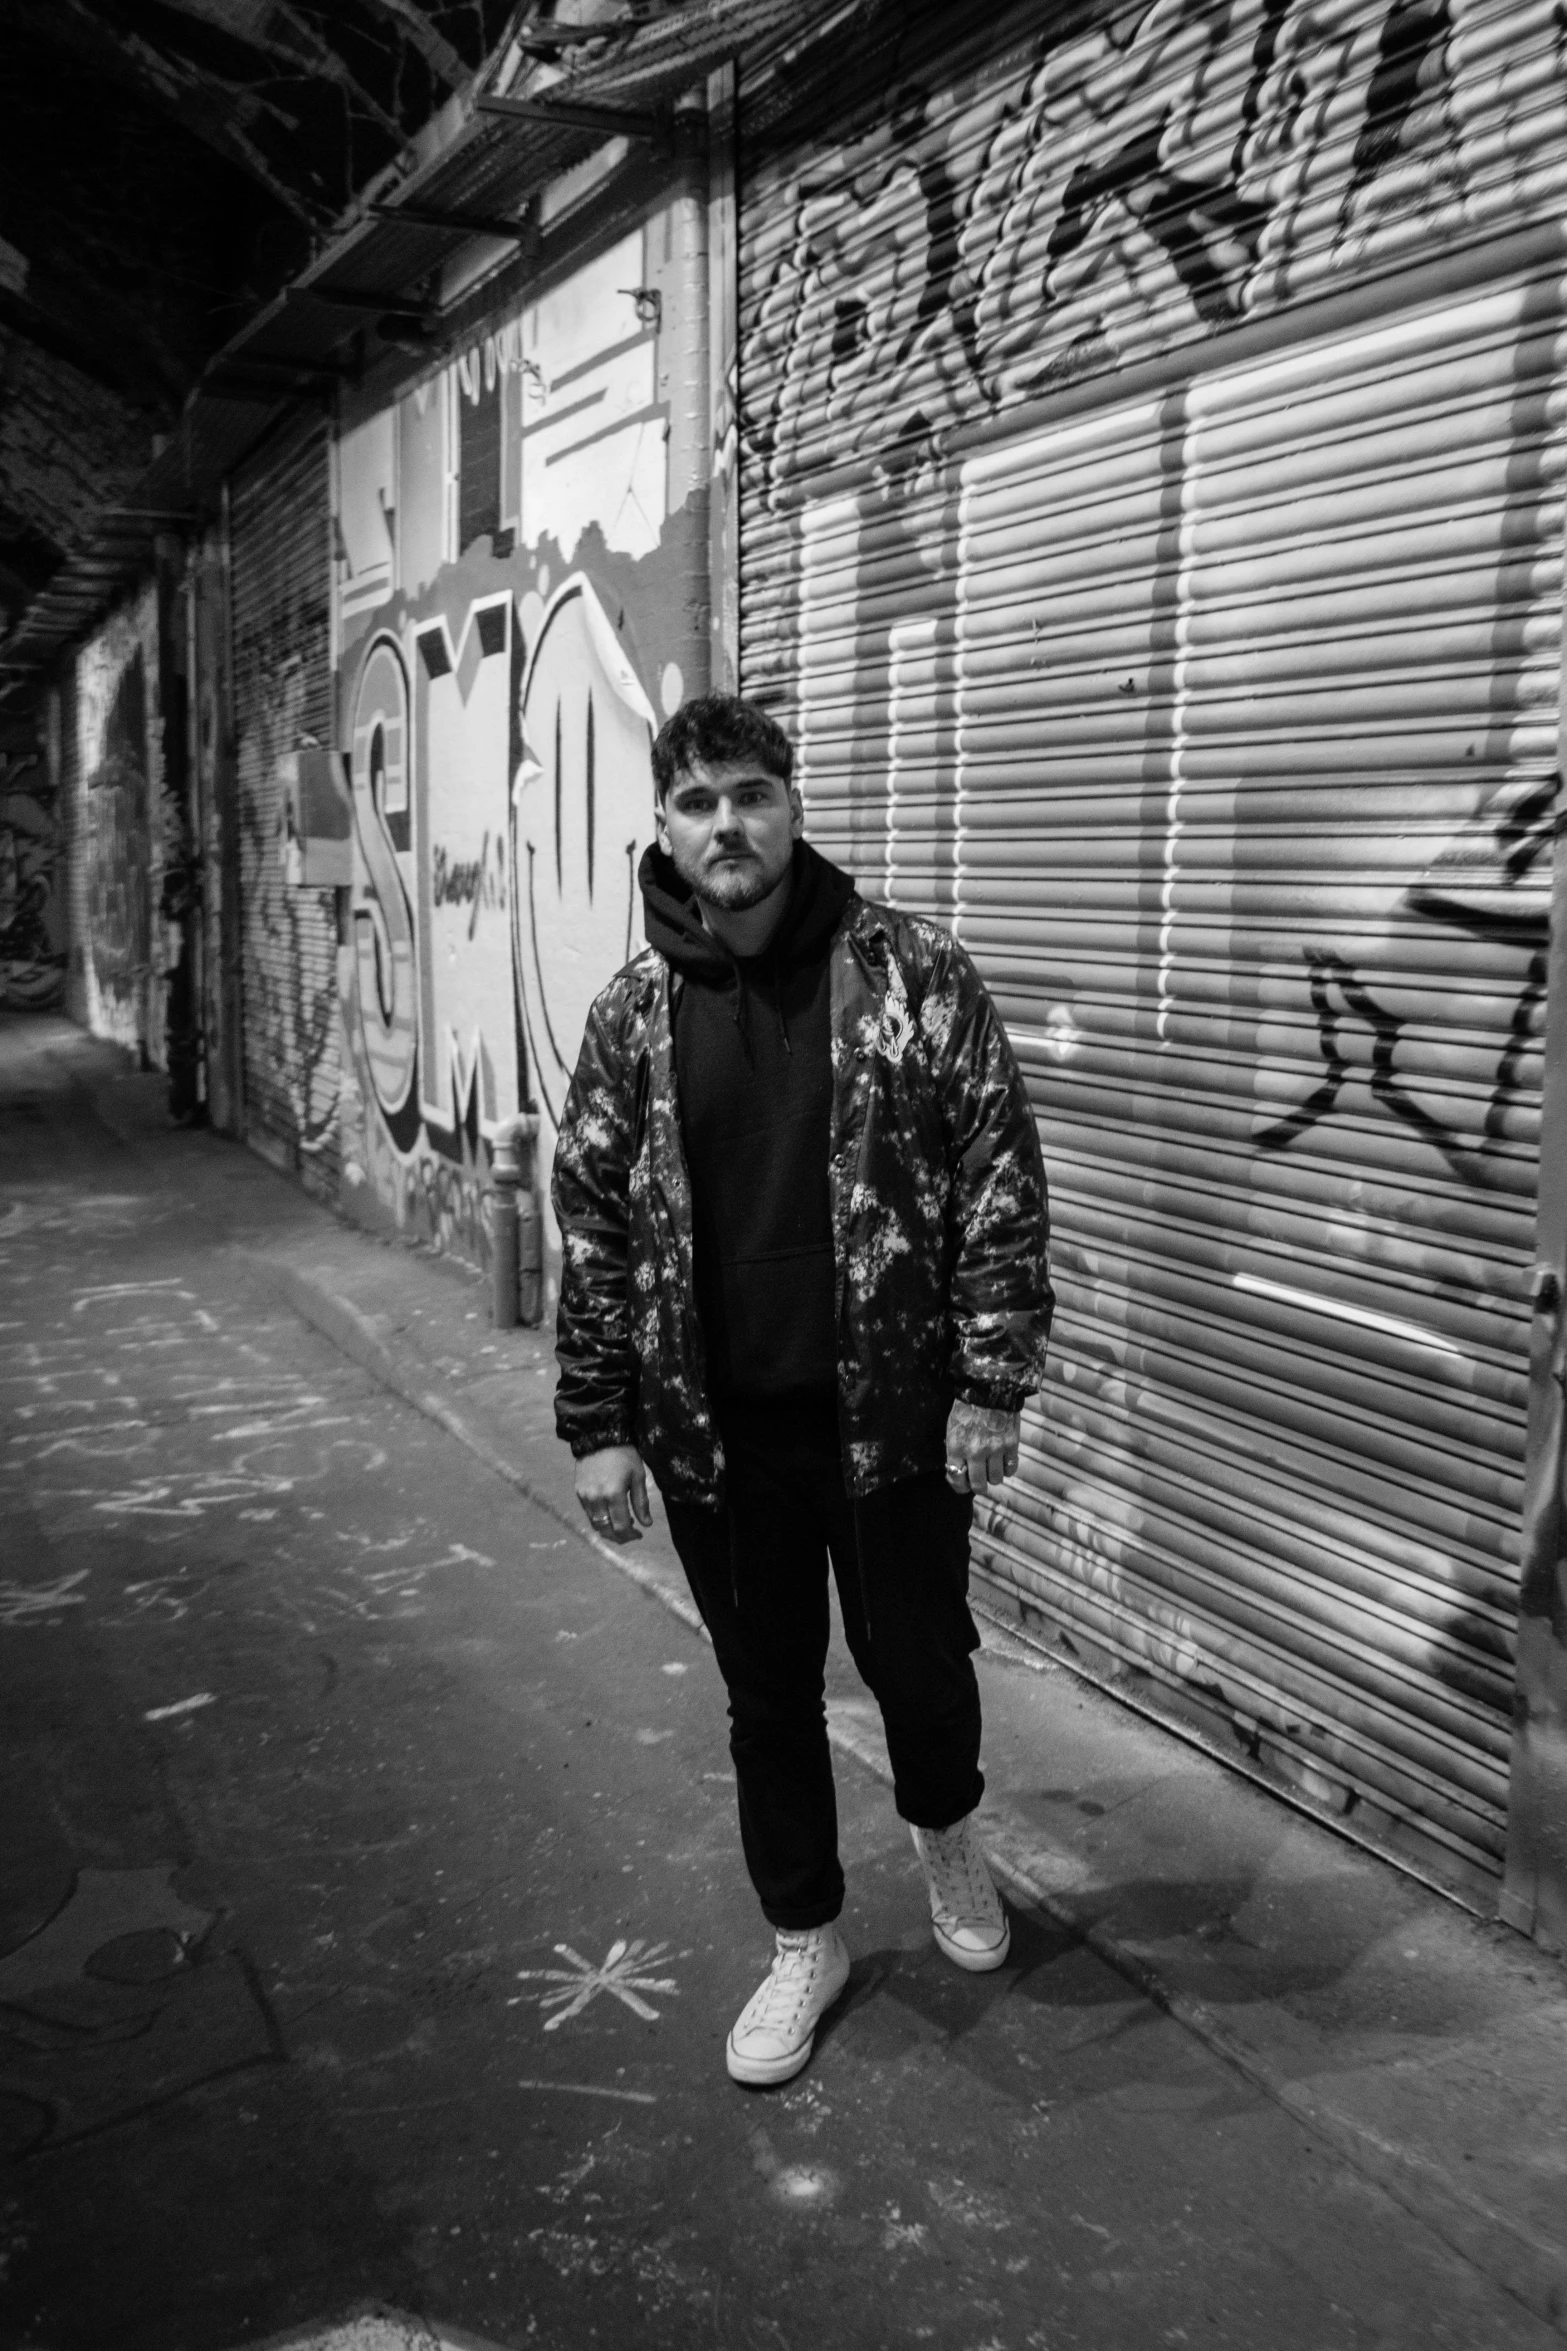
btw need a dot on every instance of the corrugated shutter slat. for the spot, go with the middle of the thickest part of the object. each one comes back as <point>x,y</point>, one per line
<point>280,520</point>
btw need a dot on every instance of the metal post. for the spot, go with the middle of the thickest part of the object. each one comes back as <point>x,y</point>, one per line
<point>723,348</point>
<point>1534,1895</point>
<point>530,1229</point>
<point>516,1258</point>
<point>1534,1889</point>
<point>505,1182</point>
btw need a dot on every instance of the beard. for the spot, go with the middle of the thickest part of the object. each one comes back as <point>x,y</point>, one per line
<point>735,888</point>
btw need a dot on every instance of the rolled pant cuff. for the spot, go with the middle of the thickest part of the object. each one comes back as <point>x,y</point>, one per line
<point>800,1922</point>
<point>925,1816</point>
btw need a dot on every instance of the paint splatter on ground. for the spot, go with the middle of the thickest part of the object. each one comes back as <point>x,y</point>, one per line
<point>622,1974</point>
<point>394,1976</point>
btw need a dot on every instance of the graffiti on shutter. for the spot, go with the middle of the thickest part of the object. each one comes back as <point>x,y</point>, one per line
<point>1105,194</point>
<point>282,701</point>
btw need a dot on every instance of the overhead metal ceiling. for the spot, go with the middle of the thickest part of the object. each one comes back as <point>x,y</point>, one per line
<point>550,93</point>
<point>167,165</point>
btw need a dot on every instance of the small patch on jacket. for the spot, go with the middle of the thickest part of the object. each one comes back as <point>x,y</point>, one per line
<point>894,1032</point>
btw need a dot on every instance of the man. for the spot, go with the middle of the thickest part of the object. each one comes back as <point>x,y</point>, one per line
<point>804,1283</point>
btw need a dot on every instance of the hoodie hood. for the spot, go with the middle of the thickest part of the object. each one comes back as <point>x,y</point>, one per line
<point>818,894</point>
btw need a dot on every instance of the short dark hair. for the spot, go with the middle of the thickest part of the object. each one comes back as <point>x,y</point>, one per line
<point>712,729</point>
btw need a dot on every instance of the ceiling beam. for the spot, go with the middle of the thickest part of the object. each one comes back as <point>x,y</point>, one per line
<point>383,305</point>
<point>134,517</point>
<point>455,218</point>
<point>577,114</point>
<point>542,39</point>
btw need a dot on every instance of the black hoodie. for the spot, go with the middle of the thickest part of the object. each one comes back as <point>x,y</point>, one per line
<point>753,1065</point>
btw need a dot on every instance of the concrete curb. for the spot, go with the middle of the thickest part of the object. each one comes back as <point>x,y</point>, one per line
<point>354,1335</point>
<point>1528,2268</point>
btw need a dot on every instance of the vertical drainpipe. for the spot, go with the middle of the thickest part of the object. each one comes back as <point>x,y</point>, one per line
<point>1534,1891</point>
<point>723,347</point>
<point>683,341</point>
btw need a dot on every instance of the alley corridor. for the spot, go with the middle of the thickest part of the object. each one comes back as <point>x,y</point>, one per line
<point>371,1909</point>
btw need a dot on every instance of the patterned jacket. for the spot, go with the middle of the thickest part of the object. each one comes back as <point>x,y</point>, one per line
<point>938,1210</point>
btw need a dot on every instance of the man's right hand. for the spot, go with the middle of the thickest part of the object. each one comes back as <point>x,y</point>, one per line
<point>611,1486</point>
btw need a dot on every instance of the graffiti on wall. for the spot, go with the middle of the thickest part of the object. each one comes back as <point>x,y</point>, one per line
<point>580,814</point>
<point>119,753</point>
<point>32,926</point>
<point>516,540</point>
<point>1220,719</point>
<point>118,841</point>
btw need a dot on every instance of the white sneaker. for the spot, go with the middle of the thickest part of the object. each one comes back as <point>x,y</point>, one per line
<point>966,1916</point>
<point>774,2031</point>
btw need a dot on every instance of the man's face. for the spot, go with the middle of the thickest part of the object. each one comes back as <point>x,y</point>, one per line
<point>730,831</point>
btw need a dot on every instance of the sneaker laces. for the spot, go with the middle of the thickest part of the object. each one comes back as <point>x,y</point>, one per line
<point>961,1883</point>
<point>783,1992</point>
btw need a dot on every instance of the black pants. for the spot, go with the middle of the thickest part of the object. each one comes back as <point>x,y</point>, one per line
<point>758,1570</point>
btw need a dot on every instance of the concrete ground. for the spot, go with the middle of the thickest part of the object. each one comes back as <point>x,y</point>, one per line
<point>372,1912</point>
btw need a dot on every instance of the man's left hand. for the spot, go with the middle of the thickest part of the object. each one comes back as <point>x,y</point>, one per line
<point>982,1447</point>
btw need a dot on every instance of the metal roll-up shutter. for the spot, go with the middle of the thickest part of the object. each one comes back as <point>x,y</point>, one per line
<point>1257,692</point>
<point>280,522</point>
<point>1221,724</point>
